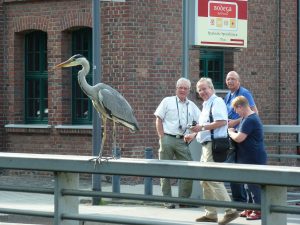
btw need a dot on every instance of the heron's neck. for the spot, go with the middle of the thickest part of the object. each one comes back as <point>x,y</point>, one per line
<point>82,79</point>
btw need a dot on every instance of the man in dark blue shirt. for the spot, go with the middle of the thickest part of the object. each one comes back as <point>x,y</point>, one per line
<point>235,89</point>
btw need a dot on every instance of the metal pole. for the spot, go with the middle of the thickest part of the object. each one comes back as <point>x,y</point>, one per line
<point>148,187</point>
<point>97,137</point>
<point>116,178</point>
<point>185,40</point>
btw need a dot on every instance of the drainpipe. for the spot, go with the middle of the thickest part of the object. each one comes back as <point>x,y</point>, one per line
<point>278,68</point>
<point>278,61</point>
<point>185,40</point>
<point>298,69</point>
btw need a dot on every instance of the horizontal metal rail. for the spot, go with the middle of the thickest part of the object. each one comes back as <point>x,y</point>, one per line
<point>152,198</point>
<point>274,180</point>
<point>289,129</point>
<point>284,156</point>
<point>114,219</point>
<point>39,190</point>
<point>27,212</point>
<point>189,201</point>
<point>242,173</point>
<point>285,209</point>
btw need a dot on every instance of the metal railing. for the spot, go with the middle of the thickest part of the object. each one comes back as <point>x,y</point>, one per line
<point>286,130</point>
<point>68,192</point>
<point>273,179</point>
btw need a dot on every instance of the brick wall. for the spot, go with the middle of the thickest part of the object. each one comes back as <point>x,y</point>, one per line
<point>141,57</point>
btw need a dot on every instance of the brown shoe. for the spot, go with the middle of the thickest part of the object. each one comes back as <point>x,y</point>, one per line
<point>228,218</point>
<point>206,219</point>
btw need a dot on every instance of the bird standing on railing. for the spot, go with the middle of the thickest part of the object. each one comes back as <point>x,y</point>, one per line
<point>108,102</point>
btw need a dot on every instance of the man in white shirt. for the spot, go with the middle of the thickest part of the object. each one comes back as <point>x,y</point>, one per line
<point>173,116</point>
<point>212,118</point>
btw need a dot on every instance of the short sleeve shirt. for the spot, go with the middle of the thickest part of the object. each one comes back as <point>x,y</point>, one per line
<point>219,112</point>
<point>175,114</point>
<point>252,150</point>
<point>230,96</point>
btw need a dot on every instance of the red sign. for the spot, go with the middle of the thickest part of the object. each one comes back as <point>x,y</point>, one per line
<point>242,6</point>
<point>222,10</point>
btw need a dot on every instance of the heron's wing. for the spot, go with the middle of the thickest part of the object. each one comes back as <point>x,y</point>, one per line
<point>116,105</point>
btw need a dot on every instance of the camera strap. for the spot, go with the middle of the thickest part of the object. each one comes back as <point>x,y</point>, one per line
<point>187,115</point>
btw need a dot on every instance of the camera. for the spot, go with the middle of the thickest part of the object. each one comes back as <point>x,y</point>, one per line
<point>194,123</point>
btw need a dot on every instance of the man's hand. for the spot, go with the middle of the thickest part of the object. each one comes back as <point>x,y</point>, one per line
<point>189,137</point>
<point>234,123</point>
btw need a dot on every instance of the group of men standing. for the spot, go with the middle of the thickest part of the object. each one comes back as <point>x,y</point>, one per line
<point>179,121</point>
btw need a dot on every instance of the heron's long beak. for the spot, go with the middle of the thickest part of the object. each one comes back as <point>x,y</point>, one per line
<point>68,63</point>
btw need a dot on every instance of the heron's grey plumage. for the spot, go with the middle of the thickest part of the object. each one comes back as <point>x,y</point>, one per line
<point>108,102</point>
<point>116,106</point>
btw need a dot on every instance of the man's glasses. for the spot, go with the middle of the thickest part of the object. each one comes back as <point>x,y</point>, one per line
<point>183,88</point>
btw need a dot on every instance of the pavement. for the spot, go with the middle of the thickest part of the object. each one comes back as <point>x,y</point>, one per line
<point>129,209</point>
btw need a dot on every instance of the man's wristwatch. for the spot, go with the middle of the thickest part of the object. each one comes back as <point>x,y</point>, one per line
<point>202,127</point>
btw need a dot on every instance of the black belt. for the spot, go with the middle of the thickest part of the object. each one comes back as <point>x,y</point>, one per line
<point>175,136</point>
<point>205,142</point>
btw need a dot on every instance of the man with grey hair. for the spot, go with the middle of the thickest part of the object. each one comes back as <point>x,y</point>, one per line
<point>173,116</point>
<point>212,124</point>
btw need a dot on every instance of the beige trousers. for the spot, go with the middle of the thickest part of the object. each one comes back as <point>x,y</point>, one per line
<point>213,190</point>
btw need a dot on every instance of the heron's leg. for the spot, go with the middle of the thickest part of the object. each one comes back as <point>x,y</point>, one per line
<point>114,137</point>
<point>98,159</point>
<point>103,138</point>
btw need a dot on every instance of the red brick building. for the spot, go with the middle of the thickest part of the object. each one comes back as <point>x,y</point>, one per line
<point>43,111</point>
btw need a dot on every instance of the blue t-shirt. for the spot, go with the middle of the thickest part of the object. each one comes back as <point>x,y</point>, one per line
<point>252,149</point>
<point>228,99</point>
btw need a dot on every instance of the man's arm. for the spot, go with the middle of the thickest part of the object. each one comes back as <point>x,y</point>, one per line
<point>237,137</point>
<point>214,125</point>
<point>159,127</point>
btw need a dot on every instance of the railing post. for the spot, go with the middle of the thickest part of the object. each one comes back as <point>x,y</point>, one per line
<point>273,195</point>
<point>65,204</point>
<point>148,187</point>
<point>116,178</point>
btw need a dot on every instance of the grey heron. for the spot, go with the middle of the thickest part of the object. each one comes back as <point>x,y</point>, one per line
<point>108,102</point>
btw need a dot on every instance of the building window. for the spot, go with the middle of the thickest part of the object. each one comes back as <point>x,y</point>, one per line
<point>212,65</point>
<point>36,78</point>
<point>81,104</point>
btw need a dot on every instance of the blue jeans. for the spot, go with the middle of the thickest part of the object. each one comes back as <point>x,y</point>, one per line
<point>255,189</point>
<point>238,191</point>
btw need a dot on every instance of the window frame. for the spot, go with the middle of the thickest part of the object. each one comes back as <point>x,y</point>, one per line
<point>215,57</point>
<point>83,38</point>
<point>36,77</point>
